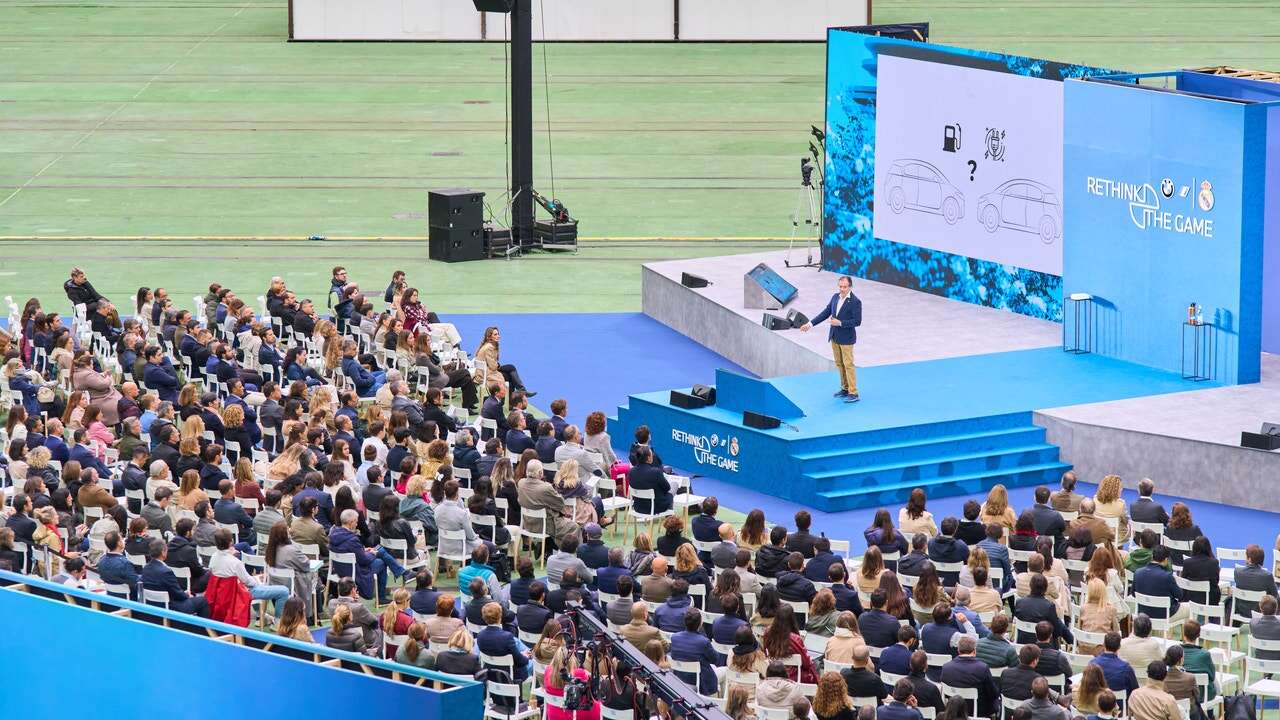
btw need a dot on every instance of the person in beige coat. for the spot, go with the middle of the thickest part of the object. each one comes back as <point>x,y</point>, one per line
<point>847,638</point>
<point>1096,616</point>
<point>639,632</point>
<point>102,391</point>
<point>913,519</point>
<point>535,493</point>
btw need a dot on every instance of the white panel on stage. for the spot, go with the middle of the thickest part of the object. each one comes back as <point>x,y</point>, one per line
<point>768,19</point>
<point>969,162</point>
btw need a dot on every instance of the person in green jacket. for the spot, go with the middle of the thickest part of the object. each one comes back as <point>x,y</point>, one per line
<point>1196,659</point>
<point>1140,556</point>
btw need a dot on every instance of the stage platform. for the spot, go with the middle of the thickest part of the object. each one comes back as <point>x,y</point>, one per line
<point>1105,416</point>
<point>898,325</point>
<point>956,426</point>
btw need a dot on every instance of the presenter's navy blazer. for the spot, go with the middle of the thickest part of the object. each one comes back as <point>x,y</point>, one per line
<point>850,318</point>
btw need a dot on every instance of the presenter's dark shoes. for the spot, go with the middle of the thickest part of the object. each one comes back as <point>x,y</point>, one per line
<point>842,392</point>
<point>852,398</point>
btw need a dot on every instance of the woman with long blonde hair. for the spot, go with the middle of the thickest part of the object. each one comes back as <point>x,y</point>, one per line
<point>189,492</point>
<point>996,510</point>
<point>343,634</point>
<point>832,699</point>
<point>1092,683</point>
<point>977,559</point>
<point>1096,615</point>
<point>1104,566</point>
<point>737,704</point>
<point>193,427</point>
<point>286,463</point>
<point>1109,504</point>
<point>396,617</point>
<point>570,487</point>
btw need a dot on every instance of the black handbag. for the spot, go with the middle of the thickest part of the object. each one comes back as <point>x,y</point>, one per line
<point>1241,706</point>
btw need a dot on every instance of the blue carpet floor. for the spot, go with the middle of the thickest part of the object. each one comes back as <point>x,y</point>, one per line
<point>595,360</point>
<point>934,391</point>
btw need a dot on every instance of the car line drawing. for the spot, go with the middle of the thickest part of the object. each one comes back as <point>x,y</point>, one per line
<point>914,184</point>
<point>1023,205</point>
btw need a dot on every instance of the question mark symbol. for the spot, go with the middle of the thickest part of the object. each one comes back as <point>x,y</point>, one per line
<point>973,167</point>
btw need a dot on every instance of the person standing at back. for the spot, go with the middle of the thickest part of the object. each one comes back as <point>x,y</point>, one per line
<point>845,313</point>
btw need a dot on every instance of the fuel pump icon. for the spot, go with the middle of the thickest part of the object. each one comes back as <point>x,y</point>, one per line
<point>951,138</point>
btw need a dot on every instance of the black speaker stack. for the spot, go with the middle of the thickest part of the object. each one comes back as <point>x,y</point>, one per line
<point>456,219</point>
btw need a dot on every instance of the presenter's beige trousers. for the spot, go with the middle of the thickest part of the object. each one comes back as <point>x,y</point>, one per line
<point>843,355</point>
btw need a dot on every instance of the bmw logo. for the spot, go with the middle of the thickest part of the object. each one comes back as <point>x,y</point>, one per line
<point>1166,188</point>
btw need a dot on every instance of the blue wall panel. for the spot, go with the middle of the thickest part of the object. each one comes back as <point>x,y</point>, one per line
<point>1145,234</point>
<point>129,668</point>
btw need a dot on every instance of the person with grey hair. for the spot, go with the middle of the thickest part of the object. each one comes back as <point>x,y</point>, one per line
<point>384,395</point>
<point>159,476</point>
<point>1145,509</point>
<point>590,462</point>
<point>400,402</point>
<point>961,607</point>
<point>344,537</point>
<point>158,577</point>
<point>1098,528</point>
<point>535,493</point>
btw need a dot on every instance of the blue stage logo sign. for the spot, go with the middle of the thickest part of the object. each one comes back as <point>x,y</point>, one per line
<point>708,450</point>
<point>1145,208</point>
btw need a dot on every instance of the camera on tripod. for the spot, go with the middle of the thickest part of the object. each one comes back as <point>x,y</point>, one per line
<point>806,172</point>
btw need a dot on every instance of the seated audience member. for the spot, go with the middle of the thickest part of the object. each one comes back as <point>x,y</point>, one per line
<point>914,519</point>
<point>724,556</point>
<point>771,559</point>
<point>1152,701</point>
<point>647,475</point>
<point>1066,499</point>
<point>901,704</point>
<point>1266,626</point>
<point>157,576</point>
<point>639,632</point>
<point>847,638</point>
<point>971,530</point>
<point>1043,707</point>
<point>995,651</point>
<point>691,645</point>
<point>1196,659</point>
<point>879,628</point>
<point>818,567</point>
<point>1140,649</point>
<point>777,690</point>
<point>1145,509</point>
<point>1156,579</point>
<point>946,548</point>
<point>882,534</point>
<point>1252,576</point>
<point>896,659</point>
<point>925,692</point>
<point>1035,608</point>
<point>1119,674</point>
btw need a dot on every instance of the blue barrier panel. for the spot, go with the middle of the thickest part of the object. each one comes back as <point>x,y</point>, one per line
<point>131,665</point>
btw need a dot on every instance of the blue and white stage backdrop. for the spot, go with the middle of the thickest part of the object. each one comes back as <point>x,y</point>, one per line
<point>960,152</point>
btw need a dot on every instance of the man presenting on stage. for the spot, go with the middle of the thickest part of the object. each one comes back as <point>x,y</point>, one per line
<point>845,311</point>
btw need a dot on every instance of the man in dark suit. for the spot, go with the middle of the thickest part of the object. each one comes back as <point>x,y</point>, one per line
<point>134,475</point>
<point>691,645</point>
<point>861,679</point>
<point>304,323</point>
<point>1119,674</point>
<point>324,501</point>
<point>818,568</point>
<point>532,616</point>
<point>1015,682</point>
<point>211,414</point>
<point>22,525</point>
<point>1049,521</point>
<point>84,455</point>
<point>157,576</point>
<point>400,402</point>
<point>792,584</point>
<point>705,526</point>
<point>546,442</point>
<point>967,671</point>
<point>845,311</point>
<point>724,556</point>
<point>1252,576</point>
<point>228,511</point>
<point>911,563</point>
<point>1157,580</point>
<point>497,642</point>
<point>926,693</point>
<point>903,704</point>
<point>492,409</point>
<point>802,541</point>
<point>1036,607</point>
<point>1145,509</point>
<point>896,659</point>
<point>559,409</point>
<point>517,440</point>
<point>114,568</point>
<point>879,628</point>
<point>946,548</point>
<point>647,476</point>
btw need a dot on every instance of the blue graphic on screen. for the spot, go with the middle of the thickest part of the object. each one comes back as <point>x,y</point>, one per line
<point>773,283</point>
<point>989,235</point>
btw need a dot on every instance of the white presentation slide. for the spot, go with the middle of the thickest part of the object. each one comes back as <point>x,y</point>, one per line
<point>969,162</point>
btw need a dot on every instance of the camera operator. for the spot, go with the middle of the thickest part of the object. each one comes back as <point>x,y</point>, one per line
<point>565,680</point>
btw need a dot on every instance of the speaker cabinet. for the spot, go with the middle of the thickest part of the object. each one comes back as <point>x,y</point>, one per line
<point>687,401</point>
<point>759,420</point>
<point>455,244</point>
<point>455,207</point>
<point>690,280</point>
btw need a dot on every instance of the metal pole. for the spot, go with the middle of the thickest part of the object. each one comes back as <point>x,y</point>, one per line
<point>522,122</point>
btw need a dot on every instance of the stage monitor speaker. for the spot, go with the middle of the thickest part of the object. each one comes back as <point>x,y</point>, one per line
<point>759,421</point>
<point>1259,441</point>
<point>796,318</point>
<point>687,401</point>
<point>690,280</point>
<point>455,244</point>
<point>706,392</point>
<point>498,6</point>
<point>774,322</point>
<point>455,207</point>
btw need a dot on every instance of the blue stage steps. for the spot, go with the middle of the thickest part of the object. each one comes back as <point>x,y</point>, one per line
<point>962,457</point>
